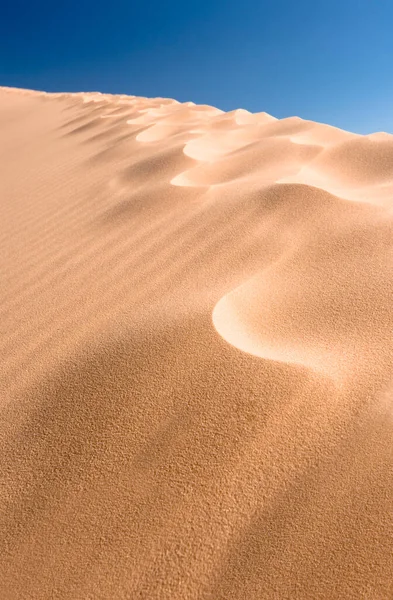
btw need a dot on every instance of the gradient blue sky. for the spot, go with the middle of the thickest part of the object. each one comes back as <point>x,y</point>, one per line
<point>330,61</point>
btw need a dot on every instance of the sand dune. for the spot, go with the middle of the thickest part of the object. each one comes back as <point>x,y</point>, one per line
<point>196,353</point>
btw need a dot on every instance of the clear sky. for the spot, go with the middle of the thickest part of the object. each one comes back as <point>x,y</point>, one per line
<point>326,60</point>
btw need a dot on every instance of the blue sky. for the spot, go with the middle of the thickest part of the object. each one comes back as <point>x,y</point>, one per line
<point>329,61</point>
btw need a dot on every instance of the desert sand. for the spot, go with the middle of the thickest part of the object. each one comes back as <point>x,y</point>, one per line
<point>196,353</point>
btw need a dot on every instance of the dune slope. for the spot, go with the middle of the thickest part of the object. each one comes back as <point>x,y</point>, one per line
<point>196,353</point>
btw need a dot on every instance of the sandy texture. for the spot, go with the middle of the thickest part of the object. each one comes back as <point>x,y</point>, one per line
<point>196,353</point>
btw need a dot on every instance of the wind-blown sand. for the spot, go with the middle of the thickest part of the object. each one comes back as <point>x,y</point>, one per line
<point>196,353</point>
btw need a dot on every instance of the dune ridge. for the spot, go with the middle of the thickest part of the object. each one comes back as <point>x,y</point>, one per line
<point>196,353</point>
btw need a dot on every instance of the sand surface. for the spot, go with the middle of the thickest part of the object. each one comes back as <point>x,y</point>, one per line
<point>196,353</point>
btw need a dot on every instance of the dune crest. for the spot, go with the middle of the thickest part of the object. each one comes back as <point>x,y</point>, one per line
<point>196,353</point>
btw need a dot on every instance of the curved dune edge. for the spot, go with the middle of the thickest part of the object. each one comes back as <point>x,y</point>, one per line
<point>228,322</point>
<point>320,305</point>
